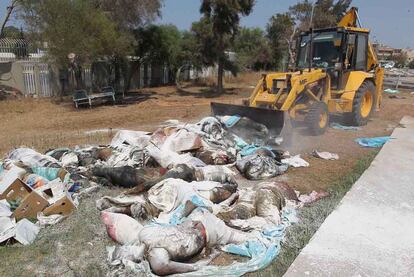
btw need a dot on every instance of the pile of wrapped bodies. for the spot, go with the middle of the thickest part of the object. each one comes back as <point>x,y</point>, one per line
<point>182,200</point>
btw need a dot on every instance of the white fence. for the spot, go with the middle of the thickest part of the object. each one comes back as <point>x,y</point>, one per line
<point>44,78</point>
<point>36,78</point>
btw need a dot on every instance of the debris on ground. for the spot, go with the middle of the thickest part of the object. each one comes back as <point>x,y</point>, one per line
<point>391,91</point>
<point>373,142</point>
<point>33,187</point>
<point>295,161</point>
<point>312,197</point>
<point>325,155</point>
<point>393,96</point>
<point>338,126</point>
<point>8,93</point>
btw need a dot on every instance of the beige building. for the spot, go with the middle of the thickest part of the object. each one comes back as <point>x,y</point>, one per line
<point>384,52</point>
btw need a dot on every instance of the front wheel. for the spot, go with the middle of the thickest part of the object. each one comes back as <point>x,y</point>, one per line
<point>317,119</point>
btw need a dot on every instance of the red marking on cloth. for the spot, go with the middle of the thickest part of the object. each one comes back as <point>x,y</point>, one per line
<point>163,170</point>
<point>203,231</point>
<point>110,227</point>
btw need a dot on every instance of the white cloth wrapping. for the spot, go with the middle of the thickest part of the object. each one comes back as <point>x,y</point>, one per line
<point>168,159</point>
<point>31,158</point>
<point>133,138</point>
<point>325,155</point>
<point>295,161</point>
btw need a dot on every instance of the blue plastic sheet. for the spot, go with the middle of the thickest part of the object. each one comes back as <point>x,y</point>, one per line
<point>246,149</point>
<point>251,149</point>
<point>230,122</point>
<point>49,173</point>
<point>261,252</point>
<point>346,128</point>
<point>372,142</point>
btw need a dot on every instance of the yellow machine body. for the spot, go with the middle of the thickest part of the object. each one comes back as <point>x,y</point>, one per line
<point>339,87</point>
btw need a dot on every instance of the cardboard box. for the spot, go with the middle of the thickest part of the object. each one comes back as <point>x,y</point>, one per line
<point>16,191</point>
<point>30,206</point>
<point>10,176</point>
<point>63,206</point>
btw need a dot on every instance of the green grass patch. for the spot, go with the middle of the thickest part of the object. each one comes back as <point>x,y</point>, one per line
<point>311,218</point>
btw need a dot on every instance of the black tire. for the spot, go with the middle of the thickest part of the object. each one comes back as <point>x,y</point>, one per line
<point>358,117</point>
<point>316,126</point>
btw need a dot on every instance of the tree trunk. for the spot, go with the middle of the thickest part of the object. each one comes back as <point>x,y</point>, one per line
<point>220,73</point>
<point>291,48</point>
<point>117,74</point>
<point>136,65</point>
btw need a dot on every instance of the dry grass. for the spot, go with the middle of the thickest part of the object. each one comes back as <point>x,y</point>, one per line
<point>76,247</point>
<point>43,124</point>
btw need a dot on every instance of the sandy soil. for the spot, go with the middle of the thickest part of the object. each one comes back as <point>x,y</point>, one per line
<point>77,245</point>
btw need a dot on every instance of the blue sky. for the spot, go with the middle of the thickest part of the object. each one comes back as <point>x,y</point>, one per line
<point>391,21</point>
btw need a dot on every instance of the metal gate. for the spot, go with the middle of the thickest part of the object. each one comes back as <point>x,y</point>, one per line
<point>29,79</point>
<point>44,78</point>
<point>36,77</point>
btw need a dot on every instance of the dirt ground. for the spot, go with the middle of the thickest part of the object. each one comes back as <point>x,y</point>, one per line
<point>76,247</point>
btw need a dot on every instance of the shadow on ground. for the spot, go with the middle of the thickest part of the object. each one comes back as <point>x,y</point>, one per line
<point>205,92</point>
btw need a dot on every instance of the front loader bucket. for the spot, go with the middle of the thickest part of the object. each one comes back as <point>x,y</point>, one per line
<point>273,120</point>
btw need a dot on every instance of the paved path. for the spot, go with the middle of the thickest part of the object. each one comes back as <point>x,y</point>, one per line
<point>371,232</point>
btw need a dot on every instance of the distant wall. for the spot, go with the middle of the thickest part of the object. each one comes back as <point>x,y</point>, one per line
<point>31,78</point>
<point>38,79</point>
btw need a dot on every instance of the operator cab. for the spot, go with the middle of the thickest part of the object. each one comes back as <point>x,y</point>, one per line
<point>336,50</point>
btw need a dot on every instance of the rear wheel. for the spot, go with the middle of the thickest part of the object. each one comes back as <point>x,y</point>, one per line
<point>317,119</point>
<point>363,104</point>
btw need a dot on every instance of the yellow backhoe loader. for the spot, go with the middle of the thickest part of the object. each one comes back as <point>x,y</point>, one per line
<point>337,71</point>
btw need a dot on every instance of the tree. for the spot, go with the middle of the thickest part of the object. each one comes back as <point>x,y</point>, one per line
<point>127,16</point>
<point>400,59</point>
<point>130,14</point>
<point>252,49</point>
<point>160,44</point>
<point>89,28</point>
<point>220,22</point>
<point>73,26</point>
<point>280,31</point>
<point>9,12</point>
<point>411,64</point>
<point>326,13</point>
<point>283,29</point>
<point>12,32</point>
<point>190,50</point>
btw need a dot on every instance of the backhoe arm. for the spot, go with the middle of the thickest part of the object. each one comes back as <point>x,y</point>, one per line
<point>351,19</point>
